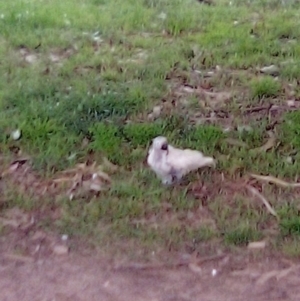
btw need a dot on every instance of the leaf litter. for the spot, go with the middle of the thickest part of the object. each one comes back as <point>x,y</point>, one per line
<point>84,178</point>
<point>16,219</point>
<point>55,56</point>
<point>212,98</point>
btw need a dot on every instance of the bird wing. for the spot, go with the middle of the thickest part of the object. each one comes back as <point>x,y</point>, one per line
<point>187,160</point>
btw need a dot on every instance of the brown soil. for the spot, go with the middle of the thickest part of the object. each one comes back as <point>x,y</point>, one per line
<point>42,275</point>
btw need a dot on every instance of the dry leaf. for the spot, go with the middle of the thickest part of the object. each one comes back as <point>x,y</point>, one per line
<point>93,185</point>
<point>257,245</point>
<point>188,89</point>
<point>195,268</point>
<point>270,70</point>
<point>14,166</point>
<point>60,250</point>
<point>86,178</point>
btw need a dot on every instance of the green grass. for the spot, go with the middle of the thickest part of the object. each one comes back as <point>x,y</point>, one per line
<point>92,70</point>
<point>266,87</point>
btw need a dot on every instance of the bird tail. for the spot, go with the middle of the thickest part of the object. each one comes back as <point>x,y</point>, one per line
<point>194,160</point>
<point>207,161</point>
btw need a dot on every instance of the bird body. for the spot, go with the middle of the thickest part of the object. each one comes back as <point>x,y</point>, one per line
<point>171,163</point>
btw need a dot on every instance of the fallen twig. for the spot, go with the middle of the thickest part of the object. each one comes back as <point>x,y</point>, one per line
<point>268,145</point>
<point>278,274</point>
<point>262,198</point>
<point>257,109</point>
<point>271,179</point>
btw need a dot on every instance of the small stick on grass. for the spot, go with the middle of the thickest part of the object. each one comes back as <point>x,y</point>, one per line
<point>257,109</point>
<point>274,180</point>
<point>262,198</point>
<point>268,145</point>
<point>276,274</point>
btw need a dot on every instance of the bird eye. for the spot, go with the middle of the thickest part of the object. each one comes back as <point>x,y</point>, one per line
<point>164,146</point>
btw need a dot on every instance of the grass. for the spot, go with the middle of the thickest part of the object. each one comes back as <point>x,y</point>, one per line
<point>265,87</point>
<point>92,70</point>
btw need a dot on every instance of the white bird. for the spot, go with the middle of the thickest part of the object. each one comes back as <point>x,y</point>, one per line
<point>171,163</point>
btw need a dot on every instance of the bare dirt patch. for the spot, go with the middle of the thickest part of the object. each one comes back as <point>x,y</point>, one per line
<point>89,276</point>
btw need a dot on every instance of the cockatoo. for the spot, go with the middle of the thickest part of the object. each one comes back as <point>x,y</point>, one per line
<point>171,163</point>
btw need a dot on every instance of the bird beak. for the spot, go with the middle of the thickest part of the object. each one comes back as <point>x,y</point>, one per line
<point>164,146</point>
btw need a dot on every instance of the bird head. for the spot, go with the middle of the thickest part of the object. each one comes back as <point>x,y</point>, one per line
<point>160,143</point>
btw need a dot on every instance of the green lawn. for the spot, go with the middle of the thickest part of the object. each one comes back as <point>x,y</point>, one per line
<point>80,78</point>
